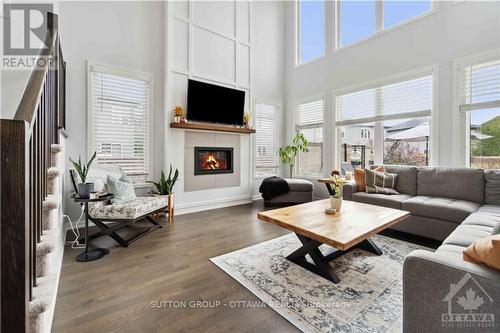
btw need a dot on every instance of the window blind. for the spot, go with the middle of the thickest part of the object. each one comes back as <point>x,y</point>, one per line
<point>119,107</point>
<point>310,114</point>
<point>266,139</point>
<point>480,86</point>
<point>403,98</point>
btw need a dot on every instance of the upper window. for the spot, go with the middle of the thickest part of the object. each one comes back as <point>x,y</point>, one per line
<point>311,30</point>
<point>357,20</point>
<point>396,12</point>
<point>480,101</point>
<point>119,107</point>
<point>309,122</point>
<point>266,139</point>
<point>398,113</point>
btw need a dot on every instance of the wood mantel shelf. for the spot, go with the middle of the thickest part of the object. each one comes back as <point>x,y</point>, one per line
<point>212,127</point>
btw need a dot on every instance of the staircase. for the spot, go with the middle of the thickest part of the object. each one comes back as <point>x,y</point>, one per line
<point>31,171</point>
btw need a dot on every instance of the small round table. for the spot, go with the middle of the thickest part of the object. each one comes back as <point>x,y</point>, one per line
<point>97,253</point>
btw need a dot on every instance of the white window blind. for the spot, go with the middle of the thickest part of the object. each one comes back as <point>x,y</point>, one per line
<point>402,99</point>
<point>266,139</point>
<point>310,114</point>
<point>480,86</point>
<point>119,120</point>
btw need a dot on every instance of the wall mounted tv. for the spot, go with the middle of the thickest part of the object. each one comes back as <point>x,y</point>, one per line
<point>215,104</point>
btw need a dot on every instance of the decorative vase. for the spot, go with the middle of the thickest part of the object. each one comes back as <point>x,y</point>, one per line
<point>336,203</point>
<point>177,119</point>
<point>84,190</point>
<point>170,208</point>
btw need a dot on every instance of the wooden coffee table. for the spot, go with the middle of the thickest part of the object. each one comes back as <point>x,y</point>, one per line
<point>345,231</point>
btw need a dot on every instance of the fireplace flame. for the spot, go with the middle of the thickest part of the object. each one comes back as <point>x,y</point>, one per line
<point>212,162</point>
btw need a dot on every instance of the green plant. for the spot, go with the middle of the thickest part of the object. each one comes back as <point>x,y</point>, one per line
<point>289,153</point>
<point>82,169</point>
<point>166,184</point>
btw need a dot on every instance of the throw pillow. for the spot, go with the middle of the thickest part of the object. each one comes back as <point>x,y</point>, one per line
<point>359,177</point>
<point>484,251</point>
<point>121,188</point>
<point>380,182</point>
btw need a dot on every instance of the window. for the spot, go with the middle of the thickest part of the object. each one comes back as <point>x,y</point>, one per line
<point>267,118</point>
<point>396,12</point>
<point>119,103</point>
<point>309,122</point>
<point>357,20</point>
<point>387,124</point>
<point>311,30</point>
<point>480,102</point>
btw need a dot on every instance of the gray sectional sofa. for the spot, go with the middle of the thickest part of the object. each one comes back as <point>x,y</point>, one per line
<point>456,206</point>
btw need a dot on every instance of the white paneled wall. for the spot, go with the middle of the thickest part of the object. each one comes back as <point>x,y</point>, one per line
<point>207,41</point>
<point>210,41</point>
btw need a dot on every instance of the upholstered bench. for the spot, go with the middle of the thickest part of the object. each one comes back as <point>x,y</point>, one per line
<point>301,191</point>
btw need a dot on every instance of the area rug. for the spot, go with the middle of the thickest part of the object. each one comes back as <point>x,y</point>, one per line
<point>367,299</point>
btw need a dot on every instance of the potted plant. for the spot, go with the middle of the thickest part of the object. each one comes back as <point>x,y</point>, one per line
<point>289,153</point>
<point>336,198</point>
<point>164,187</point>
<point>82,169</point>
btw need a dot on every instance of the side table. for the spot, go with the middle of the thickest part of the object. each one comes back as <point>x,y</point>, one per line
<point>96,253</point>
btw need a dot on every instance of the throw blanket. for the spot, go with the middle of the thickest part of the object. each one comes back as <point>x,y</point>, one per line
<point>272,187</point>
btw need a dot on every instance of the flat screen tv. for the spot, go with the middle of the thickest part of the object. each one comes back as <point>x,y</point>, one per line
<point>215,104</point>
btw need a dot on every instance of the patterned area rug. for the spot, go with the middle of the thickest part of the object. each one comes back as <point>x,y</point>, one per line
<point>367,299</point>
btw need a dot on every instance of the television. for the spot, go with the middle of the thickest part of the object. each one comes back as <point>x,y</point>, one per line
<point>214,104</point>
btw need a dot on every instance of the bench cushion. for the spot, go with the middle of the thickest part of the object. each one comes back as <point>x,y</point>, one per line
<point>440,208</point>
<point>390,201</point>
<point>128,210</point>
<point>299,185</point>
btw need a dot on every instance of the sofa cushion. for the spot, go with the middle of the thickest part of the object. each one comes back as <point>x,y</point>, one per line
<point>485,219</point>
<point>129,210</point>
<point>492,186</point>
<point>465,235</point>
<point>440,208</point>
<point>299,185</point>
<point>457,183</point>
<point>390,201</point>
<point>492,209</point>
<point>407,178</point>
<point>451,250</point>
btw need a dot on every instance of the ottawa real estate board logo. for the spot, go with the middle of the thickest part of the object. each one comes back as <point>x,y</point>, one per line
<point>25,27</point>
<point>469,305</point>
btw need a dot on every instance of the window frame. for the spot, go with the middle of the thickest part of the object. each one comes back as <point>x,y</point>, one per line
<point>296,128</point>
<point>379,23</point>
<point>297,36</point>
<point>461,120</point>
<point>279,105</point>
<point>378,120</point>
<point>131,74</point>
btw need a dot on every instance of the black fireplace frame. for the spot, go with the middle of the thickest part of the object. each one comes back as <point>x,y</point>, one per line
<point>230,161</point>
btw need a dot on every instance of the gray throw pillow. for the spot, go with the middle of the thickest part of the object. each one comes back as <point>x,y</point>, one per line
<point>380,182</point>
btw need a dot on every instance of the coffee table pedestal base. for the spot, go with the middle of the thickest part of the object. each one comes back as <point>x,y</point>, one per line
<point>321,260</point>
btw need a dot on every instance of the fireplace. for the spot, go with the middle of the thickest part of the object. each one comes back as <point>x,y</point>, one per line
<point>211,161</point>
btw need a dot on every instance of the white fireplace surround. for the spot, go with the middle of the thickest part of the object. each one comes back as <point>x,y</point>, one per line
<point>194,182</point>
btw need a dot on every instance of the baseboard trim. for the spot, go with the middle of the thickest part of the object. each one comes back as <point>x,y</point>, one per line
<point>194,207</point>
<point>257,197</point>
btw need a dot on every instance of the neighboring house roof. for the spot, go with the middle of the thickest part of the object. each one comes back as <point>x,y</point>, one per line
<point>410,123</point>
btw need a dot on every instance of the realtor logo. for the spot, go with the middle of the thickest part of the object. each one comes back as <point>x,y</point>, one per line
<point>469,305</point>
<point>24,28</point>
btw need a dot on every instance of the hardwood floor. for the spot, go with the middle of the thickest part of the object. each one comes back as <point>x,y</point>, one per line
<point>115,293</point>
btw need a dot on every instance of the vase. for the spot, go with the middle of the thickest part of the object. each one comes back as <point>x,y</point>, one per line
<point>84,190</point>
<point>336,203</point>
